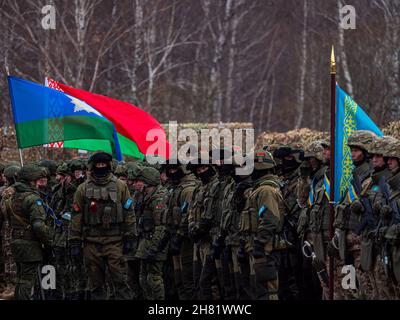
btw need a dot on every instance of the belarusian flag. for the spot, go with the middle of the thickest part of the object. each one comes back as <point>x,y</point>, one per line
<point>132,123</point>
<point>43,115</point>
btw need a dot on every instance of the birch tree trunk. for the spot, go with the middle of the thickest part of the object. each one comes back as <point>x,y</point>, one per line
<point>303,67</point>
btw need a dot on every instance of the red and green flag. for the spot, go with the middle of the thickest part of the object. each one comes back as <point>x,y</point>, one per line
<point>137,130</point>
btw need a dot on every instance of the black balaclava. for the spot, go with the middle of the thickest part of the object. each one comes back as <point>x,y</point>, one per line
<point>206,175</point>
<point>176,176</point>
<point>101,172</point>
<point>289,165</point>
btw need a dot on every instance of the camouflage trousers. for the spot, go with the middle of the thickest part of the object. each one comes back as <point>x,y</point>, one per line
<point>385,286</point>
<point>27,278</point>
<point>151,279</point>
<point>100,259</point>
<point>10,267</point>
<point>208,272</point>
<point>183,271</point>
<point>266,277</point>
<point>133,269</point>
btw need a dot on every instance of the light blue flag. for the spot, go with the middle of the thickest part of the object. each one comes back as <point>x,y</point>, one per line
<point>349,118</point>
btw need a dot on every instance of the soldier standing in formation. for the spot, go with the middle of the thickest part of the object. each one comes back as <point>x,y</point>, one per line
<point>226,235</point>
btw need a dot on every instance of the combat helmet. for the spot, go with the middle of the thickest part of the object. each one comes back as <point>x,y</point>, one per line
<point>361,139</point>
<point>64,169</point>
<point>381,144</point>
<point>150,176</point>
<point>314,149</point>
<point>133,170</point>
<point>50,165</point>
<point>31,172</point>
<point>11,172</point>
<point>288,150</point>
<point>263,160</point>
<point>121,170</point>
<point>77,164</point>
<point>392,150</point>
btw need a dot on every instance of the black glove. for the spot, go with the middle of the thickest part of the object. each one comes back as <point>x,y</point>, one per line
<point>176,244</point>
<point>258,250</point>
<point>128,246</point>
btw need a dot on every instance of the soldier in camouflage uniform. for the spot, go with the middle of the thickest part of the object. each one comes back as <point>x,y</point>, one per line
<point>291,260</point>
<point>266,223</point>
<point>311,179</point>
<point>10,269</point>
<point>202,211</point>
<point>29,231</point>
<point>153,246</point>
<point>234,203</point>
<point>347,241</point>
<point>121,172</point>
<point>181,246</point>
<point>77,167</point>
<point>104,222</point>
<point>61,204</point>
<point>133,263</point>
<point>392,232</point>
<point>385,285</point>
<point>369,207</point>
<point>223,159</point>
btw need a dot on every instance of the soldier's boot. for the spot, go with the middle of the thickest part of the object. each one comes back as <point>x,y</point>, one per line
<point>272,289</point>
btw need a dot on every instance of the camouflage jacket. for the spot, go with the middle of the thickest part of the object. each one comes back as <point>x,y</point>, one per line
<point>103,211</point>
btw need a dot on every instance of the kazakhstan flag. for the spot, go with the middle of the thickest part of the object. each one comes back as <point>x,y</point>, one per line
<point>349,118</point>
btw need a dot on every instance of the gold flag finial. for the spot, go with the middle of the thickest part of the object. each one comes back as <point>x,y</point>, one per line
<point>333,61</point>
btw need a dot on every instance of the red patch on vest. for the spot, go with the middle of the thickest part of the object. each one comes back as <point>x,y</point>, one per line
<point>76,207</point>
<point>159,206</point>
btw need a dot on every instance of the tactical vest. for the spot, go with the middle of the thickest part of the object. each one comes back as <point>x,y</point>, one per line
<point>177,209</point>
<point>198,204</point>
<point>344,218</point>
<point>375,196</point>
<point>103,213</point>
<point>19,222</point>
<point>319,212</point>
<point>254,214</point>
<point>214,210</point>
<point>153,214</point>
<point>229,211</point>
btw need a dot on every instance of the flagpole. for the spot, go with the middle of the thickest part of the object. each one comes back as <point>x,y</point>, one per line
<point>332,169</point>
<point>21,159</point>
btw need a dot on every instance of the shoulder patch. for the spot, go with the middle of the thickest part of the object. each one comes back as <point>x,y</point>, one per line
<point>128,203</point>
<point>262,211</point>
<point>39,202</point>
<point>184,207</point>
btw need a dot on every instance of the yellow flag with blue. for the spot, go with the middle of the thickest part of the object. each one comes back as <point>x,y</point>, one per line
<point>349,118</point>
